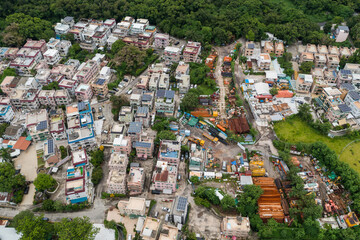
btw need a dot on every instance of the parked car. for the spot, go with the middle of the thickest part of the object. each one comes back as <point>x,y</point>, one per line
<point>100,117</point>
<point>129,92</point>
<point>115,89</point>
<point>100,109</point>
<point>156,214</point>
<point>93,110</point>
<point>155,191</point>
<point>45,219</point>
<point>26,190</point>
<point>177,43</point>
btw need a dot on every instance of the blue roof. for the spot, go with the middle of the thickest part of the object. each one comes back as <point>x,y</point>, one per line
<point>173,154</point>
<point>50,146</point>
<point>78,200</point>
<point>142,144</point>
<point>135,127</point>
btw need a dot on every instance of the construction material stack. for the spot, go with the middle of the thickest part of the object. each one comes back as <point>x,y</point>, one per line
<point>270,201</point>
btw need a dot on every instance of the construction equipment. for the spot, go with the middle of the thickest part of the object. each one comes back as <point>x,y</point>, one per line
<point>197,141</point>
<point>221,127</point>
<point>211,138</point>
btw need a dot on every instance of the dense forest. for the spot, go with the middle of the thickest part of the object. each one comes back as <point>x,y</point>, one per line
<point>211,21</point>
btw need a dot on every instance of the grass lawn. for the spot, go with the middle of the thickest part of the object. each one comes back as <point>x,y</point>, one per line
<point>295,130</point>
<point>205,90</point>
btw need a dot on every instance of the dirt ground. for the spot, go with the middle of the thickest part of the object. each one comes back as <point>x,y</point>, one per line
<point>204,222</point>
<point>27,162</point>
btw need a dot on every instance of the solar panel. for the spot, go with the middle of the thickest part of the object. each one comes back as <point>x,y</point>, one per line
<point>182,202</point>
<point>41,126</point>
<point>50,146</point>
<point>81,106</point>
<point>100,81</point>
<point>344,108</point>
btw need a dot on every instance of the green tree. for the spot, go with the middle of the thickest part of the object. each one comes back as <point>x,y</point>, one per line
<point>250,35</point>
<point>5,154</point>
<point>51,86</point>
<point>117,46</point>
<point>97,157</point>
<point>247,201</point>
<point>97,175</point>
<point>44,182</point>
<point>63,152</point>
<point>189,102</point>
<point>305,112</point>
<point>274,91</point>
<point>32,227</point>
<point>195,180</point>
<point>306,67</point>
<point>165,135</point>
<point>227,203</point>
<point>77,228</point>
<point>10,181</point>
<point>7,72</point>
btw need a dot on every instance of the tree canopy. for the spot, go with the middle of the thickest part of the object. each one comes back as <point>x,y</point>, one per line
<point>9,181</point>
<point>44,182</point>
<point>77,228</point>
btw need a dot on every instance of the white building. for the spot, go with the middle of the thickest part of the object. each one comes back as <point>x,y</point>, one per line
<point>52,56</point>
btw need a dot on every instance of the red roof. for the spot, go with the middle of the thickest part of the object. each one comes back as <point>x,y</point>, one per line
<point>5,141</point>
<point>22,144</point>
<point>284,94</point>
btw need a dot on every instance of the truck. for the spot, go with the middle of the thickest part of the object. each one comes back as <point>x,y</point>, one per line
<point>211,138</point>
<point>224,166</point>
<point>221,127</point>
<point>197,141</point>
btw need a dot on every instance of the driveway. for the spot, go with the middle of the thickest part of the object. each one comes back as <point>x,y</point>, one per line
<point>27,162</point>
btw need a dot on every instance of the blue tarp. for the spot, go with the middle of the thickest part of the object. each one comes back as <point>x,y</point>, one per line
<point>79,200</point>
<point>233,162</point>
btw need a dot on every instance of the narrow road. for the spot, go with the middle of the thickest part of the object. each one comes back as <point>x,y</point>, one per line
<point>220,82</point>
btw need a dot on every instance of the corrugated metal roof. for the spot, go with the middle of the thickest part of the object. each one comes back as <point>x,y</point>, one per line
<point>354,95</point>
<point>142,144</point>
<point>142,110</point>
<point>344,108</point>
<point>135,127</point>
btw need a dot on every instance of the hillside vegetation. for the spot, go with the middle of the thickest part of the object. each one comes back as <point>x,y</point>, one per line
<point>209,21</point>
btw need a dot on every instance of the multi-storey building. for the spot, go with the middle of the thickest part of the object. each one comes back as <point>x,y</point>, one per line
<point>87,71</point>
<point>164,177</point>
<point>171,55</point>
<point>122,144</point>
<point>37,124</point>
<point>6,113</point>
<point>134,131</point>
<point>164,102</point>
<point>191,52</point>
<point>235,227</point>
<point>52,56</point>
<point>57,124</point>
<point>169,151</point>
<point>25,99</point>
<point>142,115</point>
<point>304,83</point>
<point>126,114</point>
<point>264,61</point>
<point>341,33</point>
<point>136,180</point>
<point>161,40</point>
<point>83,92</point>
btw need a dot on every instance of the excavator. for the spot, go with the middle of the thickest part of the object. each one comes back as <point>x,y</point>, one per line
<point>197,141</point>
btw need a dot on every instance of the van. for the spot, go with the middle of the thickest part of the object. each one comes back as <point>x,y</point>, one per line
<point>129,237</point>
<point>156,214</point>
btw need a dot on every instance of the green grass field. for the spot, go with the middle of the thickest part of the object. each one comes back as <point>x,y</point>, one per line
<point>295,130</point>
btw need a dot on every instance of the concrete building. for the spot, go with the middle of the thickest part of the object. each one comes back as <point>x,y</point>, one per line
<point>249,49</point>
<point>306,57</point>
<point>333,61</point>
<point>57,124</point>
<point>150,229</point>
<point>169,151</point>
<point>164,102</point>
<point>69,85</point>
<point>344,76</point>
<point>118,162</point>
<point>79,157</point>
<point>13,132</point>
<point>147,99</point>
<point>136,180</point>
<point>116,182</point>
<point>320,60</point>
<point>135,98</point>
<point>144,148</point>
<point>161,40</point>
<point>52,56</point>
<point>134,131</point>
<point>100,86</point>
<point>25,99</point>
<point>122,144</point>
<point>143,83</point>
<point>353,67</point>
<point>264,61</point>
<point>238,227</point>
<point>168,232</point>
<point>154,81</point>
<point>83,92</point>
<point>164,177</point>
<point>134,206</point>
<point>83,137</point>
<point>341,33</point>
<point>37,124</point>
<point>126,114</point>
<point>36,45</point>
<point>171,55</point>
<point>304,83</point>
<point>87,72</point>
<point>6,113</point>
<point>143,115</point>
<point>179,210</point>
<point>192,51</point>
